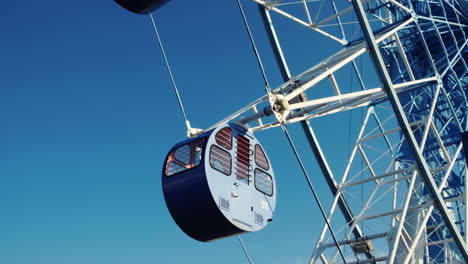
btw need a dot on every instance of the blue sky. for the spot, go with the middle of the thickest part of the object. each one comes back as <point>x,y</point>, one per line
<point>87,115</point>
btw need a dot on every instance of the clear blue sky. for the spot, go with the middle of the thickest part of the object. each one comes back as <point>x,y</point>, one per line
<point>87,115</point>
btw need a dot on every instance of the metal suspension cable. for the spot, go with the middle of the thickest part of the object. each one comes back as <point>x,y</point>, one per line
<point>312,189</point>
<point>245,250</point>
<point>254,47</point>
<point>283,126</point>
<point>187,123</point>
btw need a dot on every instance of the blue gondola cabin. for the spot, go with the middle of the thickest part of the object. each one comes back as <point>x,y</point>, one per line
<point>219,184</point>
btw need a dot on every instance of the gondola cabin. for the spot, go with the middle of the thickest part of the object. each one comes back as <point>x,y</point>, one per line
<point>219,184</point>
<point>141,6</point>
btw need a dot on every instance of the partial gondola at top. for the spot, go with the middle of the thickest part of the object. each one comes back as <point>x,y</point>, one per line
<point>141,6</point>
<point>219,184</point>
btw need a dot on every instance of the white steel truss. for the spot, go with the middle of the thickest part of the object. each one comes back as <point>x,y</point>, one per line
<point>387,193</point>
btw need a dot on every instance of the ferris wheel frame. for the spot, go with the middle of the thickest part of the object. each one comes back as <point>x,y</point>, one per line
<point>289,104</point>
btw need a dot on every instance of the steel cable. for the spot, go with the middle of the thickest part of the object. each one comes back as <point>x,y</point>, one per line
<point>254,47</point>
<point>187,123</point>
<point>283,126</point>
<point>245,249</point>
<point>312,189</point>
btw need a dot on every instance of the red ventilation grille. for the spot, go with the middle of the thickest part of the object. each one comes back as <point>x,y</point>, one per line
<point>224,138</point>
<point>260,158</point>
<point>243,159</point>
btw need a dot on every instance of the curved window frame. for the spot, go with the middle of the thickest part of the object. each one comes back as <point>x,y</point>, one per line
<point>230,139</point>
<point>230,159</point>
<point>263,152</point>
<point>203,146</point>
<point>271,178</point>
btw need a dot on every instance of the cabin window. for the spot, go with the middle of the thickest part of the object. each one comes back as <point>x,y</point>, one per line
<point>185,157</point>
<point>220,160</point>
<point>260,158</point>
<point>263,182</point>
<point>243,159</point>
<point>224,138</point>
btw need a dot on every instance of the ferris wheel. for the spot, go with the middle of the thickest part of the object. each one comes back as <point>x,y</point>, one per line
<point>401,198</point>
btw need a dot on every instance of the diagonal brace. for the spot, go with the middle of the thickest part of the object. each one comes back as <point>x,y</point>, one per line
<point>403,122</point>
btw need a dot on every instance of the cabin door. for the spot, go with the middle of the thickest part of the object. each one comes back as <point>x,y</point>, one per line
<point>241,195</point>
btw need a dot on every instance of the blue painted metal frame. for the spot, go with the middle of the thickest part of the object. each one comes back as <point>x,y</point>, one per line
<point>434,53</point>
<point>465,145</point>
<point>430,51</point>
